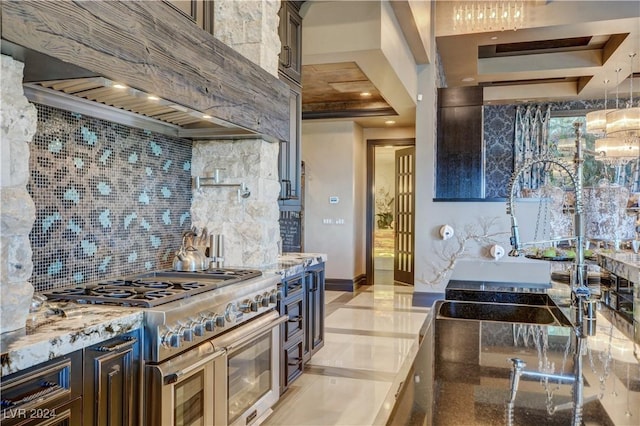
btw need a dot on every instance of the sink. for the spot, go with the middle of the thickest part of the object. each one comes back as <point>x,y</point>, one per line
<point>500,312</point>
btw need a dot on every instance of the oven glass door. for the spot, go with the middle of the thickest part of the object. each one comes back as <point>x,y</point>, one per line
<point>189,396</point>
<point>253,368</point>
<point>250,375</point>
<point>188,390</point>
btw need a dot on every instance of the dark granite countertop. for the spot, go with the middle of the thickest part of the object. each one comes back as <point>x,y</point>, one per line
<point>462,370</point>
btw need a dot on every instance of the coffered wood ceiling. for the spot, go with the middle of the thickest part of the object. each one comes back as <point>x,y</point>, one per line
<point>340,90</point>
<point>565,50</point>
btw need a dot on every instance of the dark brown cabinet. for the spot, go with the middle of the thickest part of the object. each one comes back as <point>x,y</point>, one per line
<point>289,158</point>
<point>290,31</point>
<point>290,71</point>
<point>459,157</point>
<point>46,394</point>
<point>198,11</point>
<point>292,304</point>
<point>314,318</point>
<point>302,300</point>
<point>111,382</point>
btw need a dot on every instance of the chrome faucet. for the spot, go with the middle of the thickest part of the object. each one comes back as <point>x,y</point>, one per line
<point>216,251</point>
<point>584,305</point>
<point>580,292</point>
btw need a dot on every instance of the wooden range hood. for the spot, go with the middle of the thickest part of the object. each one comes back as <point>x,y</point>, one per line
<point>86,55</point>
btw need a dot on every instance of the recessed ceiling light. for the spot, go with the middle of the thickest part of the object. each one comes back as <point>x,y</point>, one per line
<point>153,98</point>
<point>468,79</point>
<point>389,122</point>
<point>494,38</point>
<point>365,94</point>
<point>119,86</point>
<point>206,116</point>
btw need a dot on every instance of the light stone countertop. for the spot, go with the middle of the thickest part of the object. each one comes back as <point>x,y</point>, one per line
<point>290,264</point>
<point>48,336</point>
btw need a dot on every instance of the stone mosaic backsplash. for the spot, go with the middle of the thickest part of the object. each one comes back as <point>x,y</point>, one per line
<point>110,199</point>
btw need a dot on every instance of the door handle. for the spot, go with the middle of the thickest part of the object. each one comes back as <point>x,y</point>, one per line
<point>287,50</point>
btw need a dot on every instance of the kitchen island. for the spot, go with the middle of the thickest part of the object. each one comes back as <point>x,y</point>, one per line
<point>462,373</point>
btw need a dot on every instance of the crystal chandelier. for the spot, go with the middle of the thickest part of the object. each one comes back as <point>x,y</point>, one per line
<point>475,16</point>
<point>619,144</point>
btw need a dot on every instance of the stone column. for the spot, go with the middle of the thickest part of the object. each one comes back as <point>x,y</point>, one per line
<point>251,28</point>
<point>249,225</point>
<point>18,122</point>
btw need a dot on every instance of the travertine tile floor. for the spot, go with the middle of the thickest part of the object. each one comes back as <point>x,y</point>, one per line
<point>371,338</point>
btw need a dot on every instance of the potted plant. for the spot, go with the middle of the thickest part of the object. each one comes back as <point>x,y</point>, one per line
<point>384,209</point>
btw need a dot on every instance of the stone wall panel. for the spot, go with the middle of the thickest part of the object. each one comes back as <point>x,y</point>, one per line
<point>18,123</point>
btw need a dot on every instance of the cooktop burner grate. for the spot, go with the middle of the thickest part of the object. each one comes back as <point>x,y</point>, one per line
<point>152,289</point>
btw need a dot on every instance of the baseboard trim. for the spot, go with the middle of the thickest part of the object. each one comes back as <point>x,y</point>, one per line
<point>426,300</point>
<point>360,280</point>
<point>335,284</point>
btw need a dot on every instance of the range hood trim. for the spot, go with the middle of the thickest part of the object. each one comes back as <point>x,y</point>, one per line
<point>54,98</point>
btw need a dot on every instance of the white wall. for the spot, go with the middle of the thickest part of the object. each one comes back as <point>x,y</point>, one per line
<point>433,255</point>
<point>332,154</point>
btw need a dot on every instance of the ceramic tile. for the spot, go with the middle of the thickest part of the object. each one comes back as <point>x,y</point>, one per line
<point>384,300</point>
<point>325,400</point>
<point>374,353</point>
<point>376,320</point>
<point>330,296</point>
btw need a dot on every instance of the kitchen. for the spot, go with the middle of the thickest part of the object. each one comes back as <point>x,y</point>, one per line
<point>240,247</point>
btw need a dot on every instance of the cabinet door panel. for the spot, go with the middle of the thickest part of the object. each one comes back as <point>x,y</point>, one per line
<point>290,32</point>
<point>111,374</point>
<point>459,153</point>
<point>290,166</point>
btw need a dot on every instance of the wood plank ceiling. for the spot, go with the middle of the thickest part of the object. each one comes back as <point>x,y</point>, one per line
<point>339,90</point>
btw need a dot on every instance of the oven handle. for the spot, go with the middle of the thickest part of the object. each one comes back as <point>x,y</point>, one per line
<point>258,328</point>
<point>257,333</point>
<point>175,375</point>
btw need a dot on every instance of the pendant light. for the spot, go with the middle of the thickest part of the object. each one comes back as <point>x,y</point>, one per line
<point>597,120</point>
<point>616,149</point>
<point>625,122</point>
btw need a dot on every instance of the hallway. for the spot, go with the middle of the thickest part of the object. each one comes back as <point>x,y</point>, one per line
<point>371,338</point>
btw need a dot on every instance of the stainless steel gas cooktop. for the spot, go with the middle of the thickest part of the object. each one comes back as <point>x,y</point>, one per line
<point>153,288</point>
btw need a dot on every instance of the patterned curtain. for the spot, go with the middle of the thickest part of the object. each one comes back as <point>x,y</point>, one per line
<point>531,140</point>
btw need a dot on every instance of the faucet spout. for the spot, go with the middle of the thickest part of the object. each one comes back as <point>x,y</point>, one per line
<point>515,238</point>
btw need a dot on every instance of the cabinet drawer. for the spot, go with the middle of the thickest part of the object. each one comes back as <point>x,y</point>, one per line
<point>292,287</point>
<point>33,395</point>
<point>293,362</point>
<point>294,309</point>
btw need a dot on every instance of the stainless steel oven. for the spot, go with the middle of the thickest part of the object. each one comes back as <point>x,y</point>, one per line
<point>211,341</point>
<point>253,369</point>
<point>189,390</point>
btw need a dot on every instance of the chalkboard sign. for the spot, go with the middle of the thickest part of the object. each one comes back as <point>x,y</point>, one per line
<point>291,231</point>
